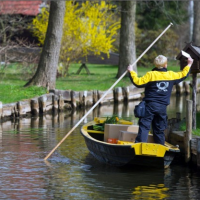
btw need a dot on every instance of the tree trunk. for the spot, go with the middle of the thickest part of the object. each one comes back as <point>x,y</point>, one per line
<point>196,41</point>
<point>127,54</point>
<point>196,24</point>
<point>47,68</point>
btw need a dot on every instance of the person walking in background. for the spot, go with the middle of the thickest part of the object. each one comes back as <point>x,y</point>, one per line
<point>158,85</point>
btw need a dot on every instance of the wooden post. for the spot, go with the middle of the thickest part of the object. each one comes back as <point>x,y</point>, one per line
<point>74,101</point>
<point>118,96</point>
<point>125,92</point>
<point>19,108</point>
<point>188,133</point>
<point>81,67</point>
<point>1,109</point>
<point>35,106</point>
<point>198,152</point>
<point>42,103</point>
<point>61,102</point>
<point>55,103</point>
<point>194,97</point>
<point>95,96</point>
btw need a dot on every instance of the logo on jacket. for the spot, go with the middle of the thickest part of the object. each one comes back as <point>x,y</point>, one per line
<point>162,86</point>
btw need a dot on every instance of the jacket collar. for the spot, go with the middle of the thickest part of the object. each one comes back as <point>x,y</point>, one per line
<point>160,70</point>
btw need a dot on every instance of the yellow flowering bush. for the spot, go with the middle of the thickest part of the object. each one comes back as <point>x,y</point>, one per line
<point>89,28</point>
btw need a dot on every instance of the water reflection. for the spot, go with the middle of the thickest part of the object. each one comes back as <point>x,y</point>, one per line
<point>150,192</point>
<point>178,104</point>
<point>124,183</point>
<point>71,172</point>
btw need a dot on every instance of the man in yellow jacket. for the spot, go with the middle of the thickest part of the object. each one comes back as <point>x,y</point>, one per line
<point>158,85</point>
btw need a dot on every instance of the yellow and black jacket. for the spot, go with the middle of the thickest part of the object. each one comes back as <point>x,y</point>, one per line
<point>158,83</point>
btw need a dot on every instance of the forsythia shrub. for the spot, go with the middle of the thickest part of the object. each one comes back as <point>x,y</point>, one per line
<point>89,28</point>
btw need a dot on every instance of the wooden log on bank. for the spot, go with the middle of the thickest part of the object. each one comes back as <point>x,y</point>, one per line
<point>55,103</point>
<point>74,99</point>
<point>82,95</point>
<point>49,102</point>
<point>61,103</point>
<point>8,110</point>
<point>125,93</point>
<point>135,93</point>
<point>95,96</point>
<point>23,107</point>
<point>65,93</point>
<point>35,106</point>
<point>118,95</point>
<point>108,98</point>
<point>188,133</point>
<point>132,93</point>
<point>42,103</point>
<point>86,98</point>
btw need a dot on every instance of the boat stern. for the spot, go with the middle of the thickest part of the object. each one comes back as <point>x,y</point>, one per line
<point>151,149</point>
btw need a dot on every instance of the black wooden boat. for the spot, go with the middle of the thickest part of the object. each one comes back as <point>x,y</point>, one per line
<point>123,153</point>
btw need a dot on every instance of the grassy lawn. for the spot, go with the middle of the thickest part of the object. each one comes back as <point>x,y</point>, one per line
<point>102,77</point>
<point>12,81</point>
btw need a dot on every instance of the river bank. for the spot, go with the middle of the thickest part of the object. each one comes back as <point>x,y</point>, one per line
<point>59,100</point>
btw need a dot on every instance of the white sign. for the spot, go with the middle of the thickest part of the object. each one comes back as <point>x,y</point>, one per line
<point>185,54</point>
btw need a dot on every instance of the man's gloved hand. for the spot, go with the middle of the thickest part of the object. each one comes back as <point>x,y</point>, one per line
<point>190,61</point>
<point>130,68</point>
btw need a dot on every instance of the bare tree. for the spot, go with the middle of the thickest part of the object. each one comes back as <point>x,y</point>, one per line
<point>14,43</point>
<point>46,72</point>
<point>127,52</point>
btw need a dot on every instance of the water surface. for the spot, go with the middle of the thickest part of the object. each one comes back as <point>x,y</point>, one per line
<point>71,172</point>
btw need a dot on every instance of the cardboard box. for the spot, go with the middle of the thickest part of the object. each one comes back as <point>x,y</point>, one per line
<point>113,130</point>
<point>127,136</point>
<point>130,137</point>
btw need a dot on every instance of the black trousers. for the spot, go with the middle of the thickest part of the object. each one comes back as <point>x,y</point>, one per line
<point>155,115</point>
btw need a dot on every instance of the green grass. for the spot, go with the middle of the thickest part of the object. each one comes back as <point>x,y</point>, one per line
<point>102,77</point>
<point>10,93</point>
<point>12,80</point>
